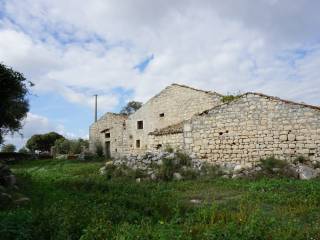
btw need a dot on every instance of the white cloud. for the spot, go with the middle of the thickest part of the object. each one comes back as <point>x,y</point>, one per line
<point>35,124</point>
<point>78,48</point>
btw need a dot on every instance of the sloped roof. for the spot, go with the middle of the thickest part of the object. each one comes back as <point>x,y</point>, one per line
<point>265,96</point>
<point>172,129</point>
<point>113,114</point>
<point>284,100</point>
<point>200,90</point>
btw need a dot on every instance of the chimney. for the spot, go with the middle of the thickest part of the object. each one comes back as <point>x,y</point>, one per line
<point>95,107</point>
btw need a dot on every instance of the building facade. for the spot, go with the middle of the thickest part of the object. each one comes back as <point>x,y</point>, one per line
<point>251,127</point>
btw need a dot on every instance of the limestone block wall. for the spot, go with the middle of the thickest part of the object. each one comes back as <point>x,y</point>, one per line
<point>254,127</point>
<point>162,141</point>
<point>174,104</point>
<point>116,125</point>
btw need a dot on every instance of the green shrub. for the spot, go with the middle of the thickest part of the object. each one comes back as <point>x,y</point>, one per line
<point>16,225</point>
<point>167,169</point>
<point>169,149</point>
<point>183,159</point>
<point>229,98</point>
<point>211,171</point>
<point>189,173</point>
<point>271,163</point>
<point>99,149</point>
<point>272,167</point>
<point>300,159</point>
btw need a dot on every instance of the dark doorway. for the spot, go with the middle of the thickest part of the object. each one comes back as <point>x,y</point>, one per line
<point>107,149</point>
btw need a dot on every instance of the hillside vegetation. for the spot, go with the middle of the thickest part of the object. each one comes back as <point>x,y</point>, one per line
<point>70,200</point>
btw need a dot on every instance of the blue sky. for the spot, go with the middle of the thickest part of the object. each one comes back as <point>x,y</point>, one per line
<point>130,50</point>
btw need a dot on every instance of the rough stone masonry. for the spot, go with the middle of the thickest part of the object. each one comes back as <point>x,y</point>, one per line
<point>251,127</point>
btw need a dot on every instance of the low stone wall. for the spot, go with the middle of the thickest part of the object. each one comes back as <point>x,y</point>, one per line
<point>254,127</point>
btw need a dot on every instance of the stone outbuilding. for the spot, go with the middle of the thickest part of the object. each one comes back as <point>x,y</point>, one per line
<point>200,123</point>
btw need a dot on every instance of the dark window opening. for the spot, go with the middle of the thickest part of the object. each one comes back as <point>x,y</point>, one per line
<point>124,125</point>
<point>158,146</point>
<point>137,143</point>
<point>161,115</point>
<point>107,135</point>
<point>227,131</point>
<point>140,125</point>
<point>220,133</point>
<point>116,150</point>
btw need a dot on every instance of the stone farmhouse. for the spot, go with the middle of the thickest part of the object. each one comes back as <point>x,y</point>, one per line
<point>201,123</point>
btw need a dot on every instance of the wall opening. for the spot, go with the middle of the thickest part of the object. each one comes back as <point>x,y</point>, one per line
<point>161,115</point>
<point>107,149</point>
<point>158,146</point>
<point>137,143</point>
<point>139,124</point>
<point>107,135</point>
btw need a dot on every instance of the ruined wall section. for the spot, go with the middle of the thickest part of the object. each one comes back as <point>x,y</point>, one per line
<point>253,127</point>
<point>115,125</point>
<point>174,104</point>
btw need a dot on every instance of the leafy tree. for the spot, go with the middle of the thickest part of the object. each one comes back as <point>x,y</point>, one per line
<point>8,148</point>
<point>23,150</point>
<point>131,107</point>
<point>62,146</point>
<point>14,104</point>
<point>65,146</point>
<point>43,142</point>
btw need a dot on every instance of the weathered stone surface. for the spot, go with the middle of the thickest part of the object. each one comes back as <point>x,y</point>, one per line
<point>306,172</point>
<point>240,132</point>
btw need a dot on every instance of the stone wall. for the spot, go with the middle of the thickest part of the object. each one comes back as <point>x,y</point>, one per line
<point>172,105</point>
<point>162,142</point>
<point>115,125</point>
<point>252,127</point>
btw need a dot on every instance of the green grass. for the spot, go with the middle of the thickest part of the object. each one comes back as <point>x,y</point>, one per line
<point>70,200</point>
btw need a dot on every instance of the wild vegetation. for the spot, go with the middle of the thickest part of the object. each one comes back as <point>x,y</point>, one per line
<point>14,103</point>
<point>230,98</point>
<point>71,200</point>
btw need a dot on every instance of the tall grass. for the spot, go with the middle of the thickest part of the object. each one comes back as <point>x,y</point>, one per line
<point>71,200</point>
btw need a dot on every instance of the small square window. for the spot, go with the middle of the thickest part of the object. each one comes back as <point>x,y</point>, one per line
<point>161,115</point>
<point>137,143</point>
<point>107,135</point>
<point>140,125</point>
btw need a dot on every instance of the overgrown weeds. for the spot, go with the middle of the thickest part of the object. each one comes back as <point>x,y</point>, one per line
<point>230,98</point>
<point>72,201</point>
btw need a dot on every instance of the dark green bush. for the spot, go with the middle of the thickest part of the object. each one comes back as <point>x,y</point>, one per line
<point>16,225</point>
<point>300,159</point>
<point>271,163</point>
